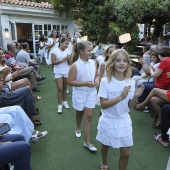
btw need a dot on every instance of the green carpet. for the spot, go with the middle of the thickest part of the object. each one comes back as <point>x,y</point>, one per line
<point>61,150</point>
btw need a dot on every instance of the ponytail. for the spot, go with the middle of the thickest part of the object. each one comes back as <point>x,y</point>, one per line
<point>75,54</point>
<point>79,46</point>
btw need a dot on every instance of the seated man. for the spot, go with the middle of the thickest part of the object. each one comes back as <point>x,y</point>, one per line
<point>23,58</point>
<point>29,72</point>
<point>14,149</point>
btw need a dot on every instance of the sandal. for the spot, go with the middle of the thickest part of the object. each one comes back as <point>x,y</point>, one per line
<point>37,122</point>
<point>36,137</point>
<point>37,98</point>
<point>37,112</point>
<point>104,167</point>
<point>158,138</point>
<point>40,83</point>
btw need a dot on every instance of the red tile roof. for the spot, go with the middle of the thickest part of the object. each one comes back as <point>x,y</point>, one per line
<point>44,5</point>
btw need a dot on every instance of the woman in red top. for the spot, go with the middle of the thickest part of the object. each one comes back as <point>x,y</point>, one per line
<point>162,81</point>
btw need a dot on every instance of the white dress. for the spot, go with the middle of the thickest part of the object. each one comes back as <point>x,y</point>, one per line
<point>50,41</point>
<point>18,121</point>
<point>115,125</point>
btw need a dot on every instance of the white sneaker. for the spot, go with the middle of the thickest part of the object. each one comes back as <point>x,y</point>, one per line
<point>67,91</point>
<point>91,147</point>
<point>78,133</point>
<point>60,109</point>
<point>65,104</point>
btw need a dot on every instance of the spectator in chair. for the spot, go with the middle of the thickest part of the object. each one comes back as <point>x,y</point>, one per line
<point>157,97</point>
<point>18,48</point>
<point>14,149</point>
<point>22,97</point>
<point>23,58</point>
<point>28,72</point>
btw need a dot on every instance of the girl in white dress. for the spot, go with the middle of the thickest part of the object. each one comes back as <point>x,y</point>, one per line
<point>60,61</point>
<point>117,94</point>
<point>53,44</point>
<point>83,75</point>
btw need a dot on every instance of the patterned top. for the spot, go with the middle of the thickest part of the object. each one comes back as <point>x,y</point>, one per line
<point>10,60</point>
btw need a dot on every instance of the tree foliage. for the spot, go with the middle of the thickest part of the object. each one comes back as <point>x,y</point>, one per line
<point>98,15</point>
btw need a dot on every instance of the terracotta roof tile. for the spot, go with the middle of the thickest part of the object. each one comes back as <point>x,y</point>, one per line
<point>44,5</point>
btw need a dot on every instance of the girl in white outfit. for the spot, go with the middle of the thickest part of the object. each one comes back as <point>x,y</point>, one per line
<point>117,94</point>
<point>41,50</point>
<point>53,44</point>
<point>84,77</point>
<point>102,71</point>
<point>60,61</point>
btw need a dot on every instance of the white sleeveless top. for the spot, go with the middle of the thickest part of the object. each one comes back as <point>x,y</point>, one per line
<point>86,71</point>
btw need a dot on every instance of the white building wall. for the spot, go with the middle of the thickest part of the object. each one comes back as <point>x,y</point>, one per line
<point>19,14</point>
<point>5,24</point>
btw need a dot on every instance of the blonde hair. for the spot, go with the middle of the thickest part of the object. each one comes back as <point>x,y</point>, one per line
<point>110,64</point>
<point>76,49</point>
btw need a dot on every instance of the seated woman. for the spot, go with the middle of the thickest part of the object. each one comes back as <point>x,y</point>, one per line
<point>8,80</point>
<point>160,74</point>
<point>157,97</point>
<point>163,138</point>
<point>20,123</point>
<point>22,97</point>
<point>145,76</point>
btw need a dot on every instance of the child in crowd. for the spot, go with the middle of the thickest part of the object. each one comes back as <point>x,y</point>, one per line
<point>60,61</point>
<point>84,77</point>
<point>117,94</point>
<point>41,50</point>
<point>52,44</point>
<point>109,51</point>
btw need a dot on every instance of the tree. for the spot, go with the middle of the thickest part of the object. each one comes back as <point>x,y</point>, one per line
<point>97,15</point>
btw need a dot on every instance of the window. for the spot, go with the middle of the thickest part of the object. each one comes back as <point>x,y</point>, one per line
<point>57,27</point>
<point>47,29</point>
<point>38,31</point>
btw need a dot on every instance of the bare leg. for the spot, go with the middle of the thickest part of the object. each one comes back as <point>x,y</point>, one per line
<point>64,89</point>
<point>158,93</point>
<point>79,117</point>
<point>124,157</point>
<point>59,83</point>
<point>104,151</point>
<point>156,103</point>
<point>155,92</point>
<point>20,83</point>
<point>87,123</point>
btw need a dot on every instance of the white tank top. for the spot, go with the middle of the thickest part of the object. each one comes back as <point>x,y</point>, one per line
<point>86,71</point>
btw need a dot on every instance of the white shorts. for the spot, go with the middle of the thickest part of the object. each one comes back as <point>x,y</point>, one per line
<point>59,75</point>
<point>84,98</point>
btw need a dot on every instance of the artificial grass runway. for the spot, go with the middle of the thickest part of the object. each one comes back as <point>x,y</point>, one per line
<point>61,150</point>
